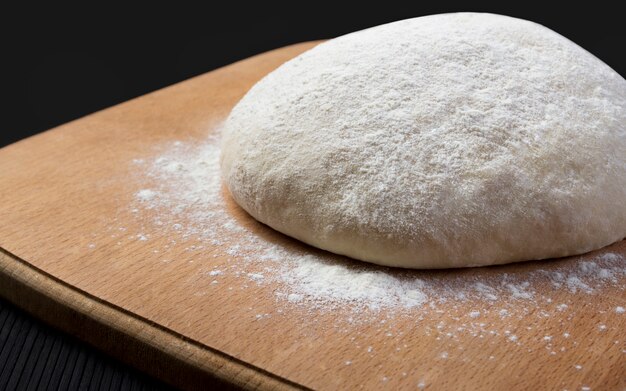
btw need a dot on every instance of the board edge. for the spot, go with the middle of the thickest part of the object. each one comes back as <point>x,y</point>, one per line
<point>138,342</point>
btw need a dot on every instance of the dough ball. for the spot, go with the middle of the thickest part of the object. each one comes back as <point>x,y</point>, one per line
<point>443,141</point>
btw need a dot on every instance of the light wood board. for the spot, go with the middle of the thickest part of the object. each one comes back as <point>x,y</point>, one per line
<point>63,192</point>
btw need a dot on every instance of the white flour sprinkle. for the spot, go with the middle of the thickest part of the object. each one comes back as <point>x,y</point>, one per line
<point>328,283</point>
<point>185,198</point>
<point>295,298</point>
<point>474,314</point>
<point>620,310</point>
<point>145,194</point>
<point>255,276</point>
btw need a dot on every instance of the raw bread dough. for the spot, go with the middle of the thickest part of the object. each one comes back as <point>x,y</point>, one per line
<point>443,141</point>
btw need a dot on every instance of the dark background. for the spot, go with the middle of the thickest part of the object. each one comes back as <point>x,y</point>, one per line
<point>61,64</point>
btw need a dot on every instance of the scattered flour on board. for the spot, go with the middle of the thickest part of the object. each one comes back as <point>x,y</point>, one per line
<point>179,201</point>
<point>474,314</point>
<point>186,190</point>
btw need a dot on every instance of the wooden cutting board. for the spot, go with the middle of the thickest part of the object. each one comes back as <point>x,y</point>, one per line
<point>76,255</point>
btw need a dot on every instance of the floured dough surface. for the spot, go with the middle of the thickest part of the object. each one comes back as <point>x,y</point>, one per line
<point>444,141</point>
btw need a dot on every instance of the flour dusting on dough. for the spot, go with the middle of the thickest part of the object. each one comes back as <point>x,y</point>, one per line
<point>188,201</point>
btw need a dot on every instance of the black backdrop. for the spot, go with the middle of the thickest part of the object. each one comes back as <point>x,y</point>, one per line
<point>60,64</point>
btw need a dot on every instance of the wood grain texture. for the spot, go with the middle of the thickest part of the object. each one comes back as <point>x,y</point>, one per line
<point>136,341</point>
<point>68,188</point>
